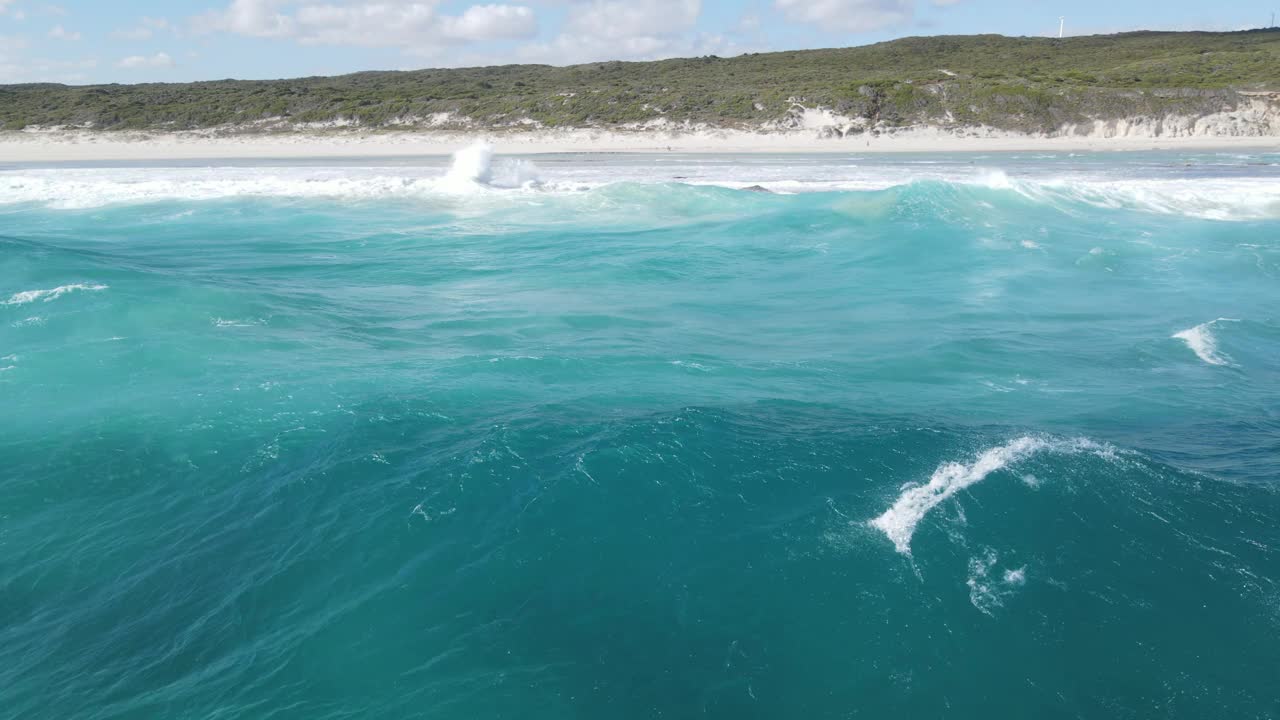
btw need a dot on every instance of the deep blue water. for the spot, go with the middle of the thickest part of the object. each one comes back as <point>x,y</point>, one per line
<point>958,437</point>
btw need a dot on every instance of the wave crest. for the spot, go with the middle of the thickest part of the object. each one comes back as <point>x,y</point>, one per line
<point>1204,343</point>
<point>30,296</point>
<point>899,522</point>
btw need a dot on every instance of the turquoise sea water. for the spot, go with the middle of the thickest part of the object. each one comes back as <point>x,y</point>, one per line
<point>919,437</point>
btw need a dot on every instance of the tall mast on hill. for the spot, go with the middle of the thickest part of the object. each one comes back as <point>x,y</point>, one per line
<point>1062,21</point>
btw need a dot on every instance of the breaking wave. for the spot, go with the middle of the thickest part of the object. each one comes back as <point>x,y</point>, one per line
<point>472,164</point>
<point>1204,343</point>
<point>474,172</point>
<point>899,522</point>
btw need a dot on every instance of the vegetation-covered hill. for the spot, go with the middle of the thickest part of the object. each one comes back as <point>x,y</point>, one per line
<point>1027,84</point>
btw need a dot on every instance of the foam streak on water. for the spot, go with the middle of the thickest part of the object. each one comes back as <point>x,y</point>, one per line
<point>899,521</point>
<point>30,296</point>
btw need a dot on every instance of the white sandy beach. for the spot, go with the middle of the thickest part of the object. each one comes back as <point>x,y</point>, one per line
<point>90,146</point>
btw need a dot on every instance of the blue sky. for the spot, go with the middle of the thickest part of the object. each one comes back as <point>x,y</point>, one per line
<point>84,41</point>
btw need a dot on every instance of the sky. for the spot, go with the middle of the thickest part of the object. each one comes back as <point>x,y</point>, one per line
<point>128,41</point>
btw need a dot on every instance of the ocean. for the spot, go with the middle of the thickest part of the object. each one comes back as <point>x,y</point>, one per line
<point>642,436</point>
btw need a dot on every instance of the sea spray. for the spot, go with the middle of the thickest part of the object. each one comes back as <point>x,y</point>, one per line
<point>472,164</point>
<point>899,522</point>
<point>1201,340</point>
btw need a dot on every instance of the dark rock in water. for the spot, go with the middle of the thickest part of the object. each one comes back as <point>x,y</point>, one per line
<point>757,188</point>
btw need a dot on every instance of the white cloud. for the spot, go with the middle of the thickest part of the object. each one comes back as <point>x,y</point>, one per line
<point>622,29</point>
<point>626,19</point>
<point>11,43</point>
<point>159,60</point>
<point>144,30</point>
<point>371,23</point>
<point>10,46</point>
<point>4,6</point>
<point>136,33</point>
<point>259,18</point>
<point>13,70</point>
<point>848,15</point>
<point>57,32</point>
<point>491,22</point>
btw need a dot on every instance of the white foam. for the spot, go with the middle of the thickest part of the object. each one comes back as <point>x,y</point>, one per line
<point>899,521</point>
<point>987,594</point>
<point>251,322</point>
<point>995,179</point>
<point>1228,199</point>
<point>1203,343</point>
<point>474,172</point>
<point>518,174</point>
<point>472,165</point>
<point>30,296</point>
<point>473,168</point>
<point>981,594</point>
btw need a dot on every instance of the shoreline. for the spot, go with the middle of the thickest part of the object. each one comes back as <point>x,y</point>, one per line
<point>89,146</point>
